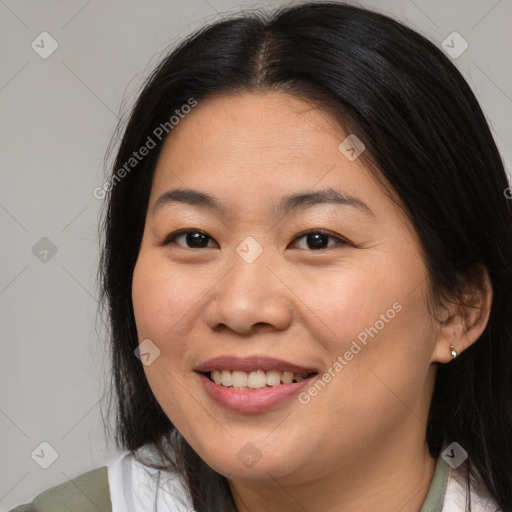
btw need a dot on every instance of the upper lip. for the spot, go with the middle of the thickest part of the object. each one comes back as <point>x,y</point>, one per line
<point>250,364</point>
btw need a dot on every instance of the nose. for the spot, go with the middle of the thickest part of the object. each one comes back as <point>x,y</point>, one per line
<point>250,298</point>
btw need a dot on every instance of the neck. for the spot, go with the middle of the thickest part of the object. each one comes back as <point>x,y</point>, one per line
<point>395,478</point>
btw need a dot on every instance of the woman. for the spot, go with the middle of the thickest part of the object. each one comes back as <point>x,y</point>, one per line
<point>308,270</point>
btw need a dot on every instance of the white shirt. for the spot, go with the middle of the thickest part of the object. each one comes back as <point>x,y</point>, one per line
<point>455,497</point>
<point>135,487</point>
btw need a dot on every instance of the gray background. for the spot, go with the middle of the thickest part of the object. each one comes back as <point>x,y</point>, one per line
<point>58,115</point>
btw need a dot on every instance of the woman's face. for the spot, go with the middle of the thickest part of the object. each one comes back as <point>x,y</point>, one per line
<point>251,301</point>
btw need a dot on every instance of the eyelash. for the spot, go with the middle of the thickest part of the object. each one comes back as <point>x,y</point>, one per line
<point>170,239</point>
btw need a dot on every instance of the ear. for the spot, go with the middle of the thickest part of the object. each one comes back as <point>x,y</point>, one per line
<point>461,324</point>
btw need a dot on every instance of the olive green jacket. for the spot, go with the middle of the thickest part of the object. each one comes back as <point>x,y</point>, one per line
<point>88,492</point>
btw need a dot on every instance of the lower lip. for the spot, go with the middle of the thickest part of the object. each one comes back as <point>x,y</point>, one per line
<point>252,400</point>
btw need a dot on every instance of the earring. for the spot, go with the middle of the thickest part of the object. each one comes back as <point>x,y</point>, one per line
<point>453,351</point>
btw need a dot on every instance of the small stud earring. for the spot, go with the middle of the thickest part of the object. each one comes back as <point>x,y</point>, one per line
<point>453,351</point>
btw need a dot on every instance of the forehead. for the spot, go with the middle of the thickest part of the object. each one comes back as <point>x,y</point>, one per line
<point>275,123</point>
<point>253,149</point>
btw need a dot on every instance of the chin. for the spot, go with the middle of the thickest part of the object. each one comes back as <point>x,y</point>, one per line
<point>246,460</point>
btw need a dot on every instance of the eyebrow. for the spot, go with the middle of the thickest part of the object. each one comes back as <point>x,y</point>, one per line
<point>289,203</point>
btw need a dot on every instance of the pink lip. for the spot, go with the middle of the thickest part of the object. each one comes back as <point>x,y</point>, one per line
<point>251,400</point>
<point>251,364</point>
<point>247,400</point>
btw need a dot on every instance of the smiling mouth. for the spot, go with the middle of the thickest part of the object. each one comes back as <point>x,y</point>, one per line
<point>256,379</point>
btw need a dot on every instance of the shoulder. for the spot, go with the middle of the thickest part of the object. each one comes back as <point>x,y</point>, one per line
<point>88,492</point>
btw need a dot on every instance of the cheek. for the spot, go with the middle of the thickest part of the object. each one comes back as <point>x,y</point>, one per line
<point>162,303</point>
<point>385,360</point>
<point>351,304</point>
<point>378,323</point>
<point>160,299</point>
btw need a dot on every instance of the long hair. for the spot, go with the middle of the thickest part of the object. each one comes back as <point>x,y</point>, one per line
<point>427,136</point>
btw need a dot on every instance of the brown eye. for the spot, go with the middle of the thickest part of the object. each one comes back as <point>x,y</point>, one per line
<point>317,240</point>
<point>193,239</point>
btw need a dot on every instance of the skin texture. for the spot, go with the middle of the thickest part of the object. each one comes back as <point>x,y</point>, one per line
<point>359,444</point>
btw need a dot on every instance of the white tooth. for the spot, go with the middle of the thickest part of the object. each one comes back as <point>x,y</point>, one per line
<point>239,379</point>
<point>299,377</point>
<point>286,377</point>
<point>226,378</point>
<point>273,378</point>
<point>216,376</point>
<point>257,379</point>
